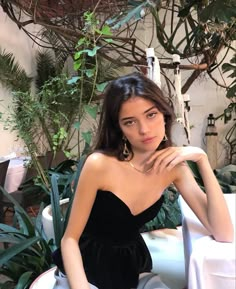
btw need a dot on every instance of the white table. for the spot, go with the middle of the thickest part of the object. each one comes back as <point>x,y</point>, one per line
<point>15,174</point>
<point>209,264</point>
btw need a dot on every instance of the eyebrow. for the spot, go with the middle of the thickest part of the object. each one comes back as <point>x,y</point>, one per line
<point>130,117</point>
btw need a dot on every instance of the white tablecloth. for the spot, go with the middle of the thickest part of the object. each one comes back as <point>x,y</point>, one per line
<point>209,264</point>
<point>15,174</point>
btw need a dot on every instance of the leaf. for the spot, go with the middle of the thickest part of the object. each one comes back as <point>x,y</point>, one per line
<point>78,54</point>
<point>227,67</point>
<point>92,52</point>
<point>16,249</point>
<point>134,13</point>
<point>77,65</point>
<point>9,229</point>
<point>231,92</point>
<point>105,30</point>
<point>24,218</point>
<point>185,11</point>
<point>91,110</point>
<point>101,86</point>
<point>193,166</point>
<point>90,72</point>
<point>220,10</point>
<point>56,212</point>
<point>87,136</point>
<point>6,237</point>
<point>108,40</point>
<point>25,223</point>
<point>12,75</point>
<point>24,280</point>
<point>77,125</point>
<point>81,42</point>
<point>73,79</point>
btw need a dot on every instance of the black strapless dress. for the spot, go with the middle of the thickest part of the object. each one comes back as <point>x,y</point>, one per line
<point>113,251</point>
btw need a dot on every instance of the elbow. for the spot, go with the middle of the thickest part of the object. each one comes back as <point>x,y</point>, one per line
<point>67,242</point>
<point>225,237</point>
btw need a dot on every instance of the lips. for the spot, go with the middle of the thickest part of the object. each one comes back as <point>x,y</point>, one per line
<point>148,140</point>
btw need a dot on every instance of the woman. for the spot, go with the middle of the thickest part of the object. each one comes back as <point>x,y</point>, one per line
<point>121,187</point>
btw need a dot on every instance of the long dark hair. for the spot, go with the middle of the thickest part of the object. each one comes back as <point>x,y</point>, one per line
<point>109,135</point>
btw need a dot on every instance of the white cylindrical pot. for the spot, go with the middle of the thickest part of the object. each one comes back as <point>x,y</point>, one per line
<point>47,219</point>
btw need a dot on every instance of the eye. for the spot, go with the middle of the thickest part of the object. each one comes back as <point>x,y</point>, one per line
<point>129,122</point>
<point>152,114</point>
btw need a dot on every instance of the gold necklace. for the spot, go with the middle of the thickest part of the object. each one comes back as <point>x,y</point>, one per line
<point>142,172</point>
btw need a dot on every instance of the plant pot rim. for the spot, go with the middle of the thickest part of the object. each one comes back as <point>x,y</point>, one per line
<point>47,211</point>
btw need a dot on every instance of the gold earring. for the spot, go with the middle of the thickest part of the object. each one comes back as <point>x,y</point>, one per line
<point>165,138</point>
<point>126,151</point>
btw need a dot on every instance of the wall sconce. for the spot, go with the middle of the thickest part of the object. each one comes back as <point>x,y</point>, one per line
<point>211,120</point>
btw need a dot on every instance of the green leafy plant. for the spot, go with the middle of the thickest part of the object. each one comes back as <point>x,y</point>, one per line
<point>169,215</point>
<point>27,253</point>
<point>231,67</point>
<point>226,177</point>
<point>63,186</point>
<point>89,77</point>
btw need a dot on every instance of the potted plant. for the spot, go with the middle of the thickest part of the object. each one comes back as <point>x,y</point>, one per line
<point>55,215</point>
<point>27,250</point>
<point>26,253</point>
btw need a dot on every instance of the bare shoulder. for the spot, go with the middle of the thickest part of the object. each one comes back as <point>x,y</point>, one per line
<point>97,162</point>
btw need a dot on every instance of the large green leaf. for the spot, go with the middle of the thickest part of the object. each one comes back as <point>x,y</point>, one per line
<point>101,86</point>
<point>8,228</point>
<point>12,75</point>
<point>92,110</point>
<point>227,67</point>
<point>46,67</point>
<point>134,13</point>
<point>193,166</point>
<point>220,11</point>
<point>56,212</point>
<point>24,280</point>
<point>16,249</point>
<point>87,136</point>
<point>25,222</point>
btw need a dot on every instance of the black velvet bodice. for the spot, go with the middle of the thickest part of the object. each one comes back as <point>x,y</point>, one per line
<point>113,251</point>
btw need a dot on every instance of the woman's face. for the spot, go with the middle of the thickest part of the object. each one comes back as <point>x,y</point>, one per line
<point>142,124</point>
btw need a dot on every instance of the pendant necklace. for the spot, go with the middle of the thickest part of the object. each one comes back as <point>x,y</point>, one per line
<point>142,172</point>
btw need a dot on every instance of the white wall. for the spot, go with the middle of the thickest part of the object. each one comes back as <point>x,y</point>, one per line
<point>205,96</point>
<point>17,42</point>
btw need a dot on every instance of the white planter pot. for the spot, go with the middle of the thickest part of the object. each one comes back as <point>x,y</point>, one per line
<point>45,281</point>
<point>47,219</point>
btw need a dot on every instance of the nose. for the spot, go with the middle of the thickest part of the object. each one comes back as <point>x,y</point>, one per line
<point>143,128</point>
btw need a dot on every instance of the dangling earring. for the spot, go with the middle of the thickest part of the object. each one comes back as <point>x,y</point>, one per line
<point>126,151</point>
<point>165,138</point>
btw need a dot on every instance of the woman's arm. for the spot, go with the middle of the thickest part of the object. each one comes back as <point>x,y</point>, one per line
<point>82,204</point>
<point>210,207</point>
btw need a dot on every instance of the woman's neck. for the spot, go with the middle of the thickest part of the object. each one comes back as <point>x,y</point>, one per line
<point>141,158</point>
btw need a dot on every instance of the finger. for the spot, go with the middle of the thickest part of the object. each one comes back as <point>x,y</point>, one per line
<point>156,155</point>
<point>163,160</point>
<point>168,162</point>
